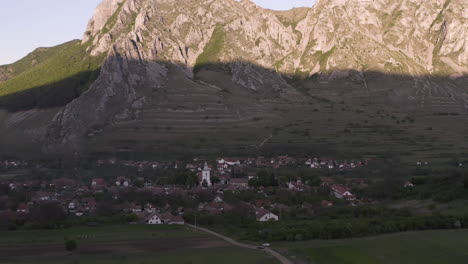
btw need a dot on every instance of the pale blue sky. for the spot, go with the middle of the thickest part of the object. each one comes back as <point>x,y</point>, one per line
<point>28,24</point>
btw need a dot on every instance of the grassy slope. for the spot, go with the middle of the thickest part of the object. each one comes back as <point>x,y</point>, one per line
<point>35,58</point>
<point>68,65</point>
<point>430,247</point>
<point>212,50</point>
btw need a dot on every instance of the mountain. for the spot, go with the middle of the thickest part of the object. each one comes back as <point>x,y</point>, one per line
<point>199,77</point>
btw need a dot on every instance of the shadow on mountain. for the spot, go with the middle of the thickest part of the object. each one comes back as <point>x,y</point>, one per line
<point>50,95</point>
<point>238,107</point>
<point>376,86</point>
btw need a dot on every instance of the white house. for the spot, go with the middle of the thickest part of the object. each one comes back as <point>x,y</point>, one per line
<point>154,219</point>
<point>227,161</point>
<point>263,215</point>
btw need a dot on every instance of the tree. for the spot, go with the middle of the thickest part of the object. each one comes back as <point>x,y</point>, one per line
<point>71,245</point>
<point>254,182</point>
<point>204,184</point>
<point>48,214</point>
<point>215,180</point>
<point>192,180</point>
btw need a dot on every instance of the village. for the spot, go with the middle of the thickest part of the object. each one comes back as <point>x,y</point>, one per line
<point>211,184</point>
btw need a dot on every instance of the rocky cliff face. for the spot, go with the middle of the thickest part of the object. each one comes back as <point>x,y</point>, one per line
<point>412,36</point>
<point>223,50</point>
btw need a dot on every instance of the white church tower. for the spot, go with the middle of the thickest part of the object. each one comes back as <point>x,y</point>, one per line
<point>206,178</point>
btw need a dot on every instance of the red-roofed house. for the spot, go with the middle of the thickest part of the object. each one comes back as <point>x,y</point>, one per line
<point>342,192</point>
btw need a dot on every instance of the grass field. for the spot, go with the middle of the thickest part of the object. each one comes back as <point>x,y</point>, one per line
<point>429,247</point>
<point>123,244</point>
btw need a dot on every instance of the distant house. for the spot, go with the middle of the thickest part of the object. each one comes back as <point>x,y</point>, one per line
<point>73,205</point>
<point>89,204</point>
<point>134,208</point>
<point>154,219</point>
<point>215,208</point>
<point>64,183</point>
<point>239,182</point>
<point>263,215</point>
<point>176,220</point>
<point>150,208</point>
<point>297,186</point>
<point>98,184</point>
<point>22,208</point>
<point>122,182</point>
<point>45,196</point>
<point>229,161</point>
<point>224,179</point>
<point>262,203</point>
<point>342,192</point>
<point>79,213</point>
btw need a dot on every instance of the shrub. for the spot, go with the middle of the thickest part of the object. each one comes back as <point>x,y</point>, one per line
<point>71,245</point>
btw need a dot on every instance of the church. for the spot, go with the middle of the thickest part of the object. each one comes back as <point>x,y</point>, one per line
<point>205,179</point>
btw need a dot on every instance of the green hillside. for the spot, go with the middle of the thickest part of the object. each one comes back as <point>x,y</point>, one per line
<point>49,77</point>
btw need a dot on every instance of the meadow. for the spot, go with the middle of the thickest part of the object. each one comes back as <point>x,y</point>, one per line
<point>126,244</point>
<point>429,247</point>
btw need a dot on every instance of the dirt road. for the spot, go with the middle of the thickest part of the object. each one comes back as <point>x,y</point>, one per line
<point>282,259</point>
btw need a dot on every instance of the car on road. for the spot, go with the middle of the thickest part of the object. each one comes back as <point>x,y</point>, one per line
<point>266,244</point>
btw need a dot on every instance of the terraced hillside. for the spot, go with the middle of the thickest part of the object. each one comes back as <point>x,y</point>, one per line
<point>344,77</point>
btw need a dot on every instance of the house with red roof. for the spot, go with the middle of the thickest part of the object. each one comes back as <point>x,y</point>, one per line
<point>22,208</point>
<point>342,192</point>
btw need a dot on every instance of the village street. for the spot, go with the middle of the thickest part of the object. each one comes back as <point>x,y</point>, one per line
<point>282,259</point>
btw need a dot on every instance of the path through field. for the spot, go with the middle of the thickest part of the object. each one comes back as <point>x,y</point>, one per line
<point>270,251</point>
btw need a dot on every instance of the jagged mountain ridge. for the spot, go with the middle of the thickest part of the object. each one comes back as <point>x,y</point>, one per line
<point>238,62</point>
<point>413,37</point>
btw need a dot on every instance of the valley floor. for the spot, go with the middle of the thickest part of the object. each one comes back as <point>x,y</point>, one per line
<point>429,247</point>
<point>123,245</point>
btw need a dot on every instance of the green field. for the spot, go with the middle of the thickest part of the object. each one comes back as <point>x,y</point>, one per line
<point>123,244</point>
<point>429,247</point>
